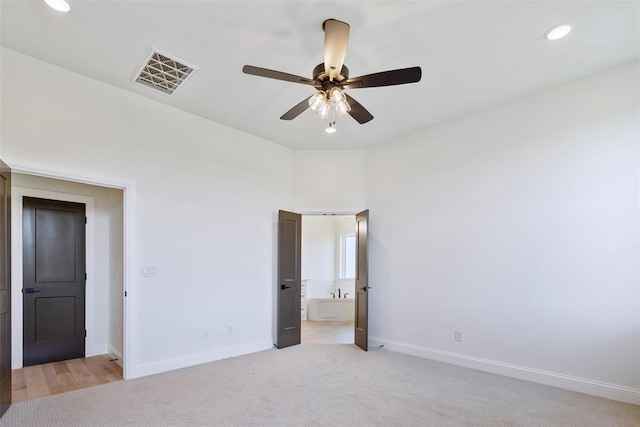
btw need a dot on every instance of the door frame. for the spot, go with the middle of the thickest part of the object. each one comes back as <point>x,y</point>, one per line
<point>128,257</point>
<point>303,213</point>
<point>17,302</point>
<point>6,383</point>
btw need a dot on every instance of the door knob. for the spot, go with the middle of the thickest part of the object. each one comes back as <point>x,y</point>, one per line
<point>364,288</point>
<point>30,290</point>
<point>284,287</point>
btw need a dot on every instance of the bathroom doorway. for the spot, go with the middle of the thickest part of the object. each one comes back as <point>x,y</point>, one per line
<point>328,279</point>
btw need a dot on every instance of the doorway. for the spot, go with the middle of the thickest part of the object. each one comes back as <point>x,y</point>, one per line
<point>104,256</point>
<point>328,279</point>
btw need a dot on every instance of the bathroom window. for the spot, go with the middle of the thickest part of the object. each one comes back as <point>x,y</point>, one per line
<point>347,256</point>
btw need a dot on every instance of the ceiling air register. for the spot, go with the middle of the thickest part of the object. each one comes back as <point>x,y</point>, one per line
<point>163,72</point>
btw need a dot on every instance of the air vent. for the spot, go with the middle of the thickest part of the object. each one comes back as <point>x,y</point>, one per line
<point>163,72</point>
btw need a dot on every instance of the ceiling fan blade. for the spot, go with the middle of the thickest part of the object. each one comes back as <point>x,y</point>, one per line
<point>385,78</point>
<point>358,112</point>
<point>297,110</point>
<point>278,75</point>
<point>336,38</point>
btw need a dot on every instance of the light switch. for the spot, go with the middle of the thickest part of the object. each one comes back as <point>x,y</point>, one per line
<point>148,271</point>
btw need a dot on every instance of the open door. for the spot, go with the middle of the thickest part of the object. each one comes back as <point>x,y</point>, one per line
<point>362,280</point>
<point>5,288</point>
<point>289,278</point>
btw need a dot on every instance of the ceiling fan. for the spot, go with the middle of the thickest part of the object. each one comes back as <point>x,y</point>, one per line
<point>332,77</point>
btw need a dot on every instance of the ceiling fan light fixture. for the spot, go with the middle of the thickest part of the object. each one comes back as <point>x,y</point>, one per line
<point>317,100</point>
<point>59,5</point>
<point>336,95</point>
<point>343,108</point>
<point>557,32</point>
<point>338,105</point>
<point>324,109</point>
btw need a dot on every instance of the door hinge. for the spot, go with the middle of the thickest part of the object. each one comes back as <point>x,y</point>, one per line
<point>85,333</point>
<point>125,293</point>
<point>85,219</point>
<point>85,276</point>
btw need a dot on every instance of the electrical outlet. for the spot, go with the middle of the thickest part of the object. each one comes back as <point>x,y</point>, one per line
<point>207,333</point>
<point>229,329</point>
<point>458,335</point>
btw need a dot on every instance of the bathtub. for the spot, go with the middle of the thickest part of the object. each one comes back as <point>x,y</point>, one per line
<point>331,309</point>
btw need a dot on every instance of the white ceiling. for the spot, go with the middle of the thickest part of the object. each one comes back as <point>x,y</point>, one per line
<point>473,54</point>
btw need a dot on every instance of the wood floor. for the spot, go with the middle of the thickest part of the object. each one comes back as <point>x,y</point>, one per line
<point>327,332</point>
<point>59,377</point>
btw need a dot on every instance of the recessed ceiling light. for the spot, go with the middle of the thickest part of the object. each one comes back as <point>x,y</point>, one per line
<point>557,32</point>
<point>59,5</point>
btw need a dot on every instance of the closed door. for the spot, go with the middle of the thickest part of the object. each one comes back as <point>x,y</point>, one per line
<point>5,288</point>
<point>54,278</point>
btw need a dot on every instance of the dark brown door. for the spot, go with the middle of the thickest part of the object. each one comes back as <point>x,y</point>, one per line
<point>289,266</point>
<point>362,281</point>
<point>53,242</point>
<point>5,287</point>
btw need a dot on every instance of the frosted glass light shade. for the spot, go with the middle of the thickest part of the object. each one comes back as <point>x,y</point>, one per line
<point>317,100</point>
<point>323,110</point>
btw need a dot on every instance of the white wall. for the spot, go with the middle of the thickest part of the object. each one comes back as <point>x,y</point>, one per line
<point>329,181</point>
<point>116,308</point>
<point>345,224</point>
<point>321,254</point>
<point>318,255</point>
<point>518,225</point>
<point>206,206</point>
<point>104,310</point>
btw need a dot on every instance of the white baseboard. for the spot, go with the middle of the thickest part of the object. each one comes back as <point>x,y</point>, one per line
<point>117,353</point>
<point>96,350</point>
<point>144,369</point>
<point>581,385</point>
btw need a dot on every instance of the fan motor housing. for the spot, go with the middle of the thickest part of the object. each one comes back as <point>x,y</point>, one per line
<point>320,76</point>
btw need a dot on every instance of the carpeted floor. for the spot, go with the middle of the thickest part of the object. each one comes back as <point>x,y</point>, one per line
<point>323,384</point>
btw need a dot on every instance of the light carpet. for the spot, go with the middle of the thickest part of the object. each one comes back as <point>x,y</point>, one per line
<point>322,385</point>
